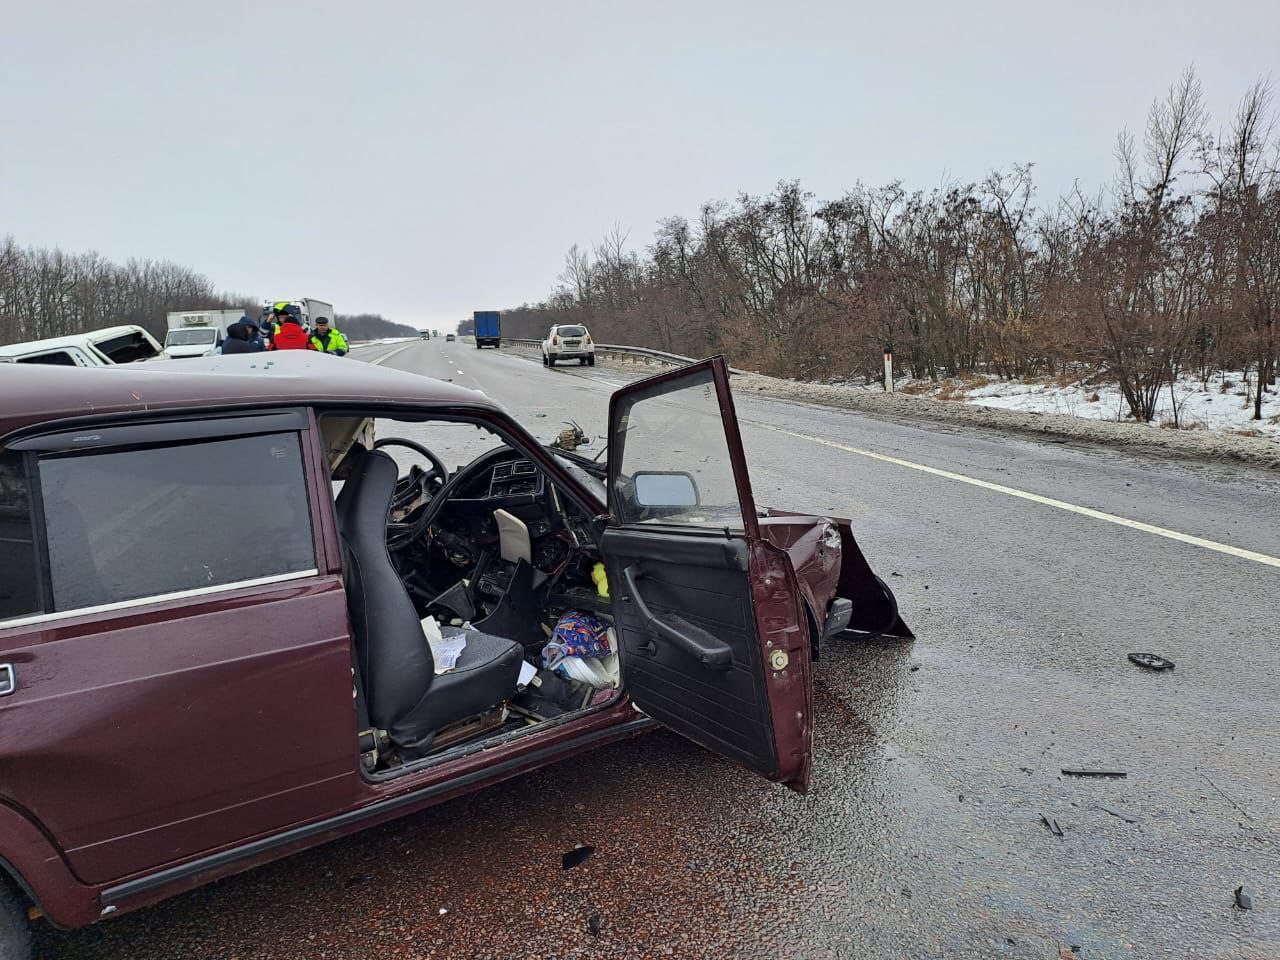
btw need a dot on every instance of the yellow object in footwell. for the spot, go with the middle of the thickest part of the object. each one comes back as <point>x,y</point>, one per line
<point>601,581</point>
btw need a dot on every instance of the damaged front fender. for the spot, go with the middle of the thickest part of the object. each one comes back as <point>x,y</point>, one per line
<point>844,596</point>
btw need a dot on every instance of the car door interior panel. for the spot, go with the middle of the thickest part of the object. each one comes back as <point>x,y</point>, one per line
<point>693,583</point>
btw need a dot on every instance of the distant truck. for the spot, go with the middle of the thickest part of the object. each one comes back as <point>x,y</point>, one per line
<point>488,328</point>
<point>197,333</point>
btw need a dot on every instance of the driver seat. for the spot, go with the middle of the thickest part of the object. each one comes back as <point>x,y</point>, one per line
<point>403,693</point>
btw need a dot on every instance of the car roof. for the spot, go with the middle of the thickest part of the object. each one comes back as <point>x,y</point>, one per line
<point>74,340</point>
<point>33,394</point>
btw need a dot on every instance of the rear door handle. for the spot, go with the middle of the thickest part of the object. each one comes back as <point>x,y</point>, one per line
<point>8,679</point>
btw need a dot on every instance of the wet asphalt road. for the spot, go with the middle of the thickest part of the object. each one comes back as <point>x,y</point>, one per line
<point>934,760</point>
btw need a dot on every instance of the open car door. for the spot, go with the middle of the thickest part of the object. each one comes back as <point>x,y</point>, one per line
<point>711,625</point>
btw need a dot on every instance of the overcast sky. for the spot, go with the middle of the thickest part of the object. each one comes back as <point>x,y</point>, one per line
<point>424,159</point>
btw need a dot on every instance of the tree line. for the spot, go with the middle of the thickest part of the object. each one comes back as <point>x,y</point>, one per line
<point>1174,271</point>
<point>371,326</point>
<point>49,293</point>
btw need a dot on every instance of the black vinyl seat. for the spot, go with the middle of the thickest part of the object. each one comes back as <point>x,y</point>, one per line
<point>403,693</point>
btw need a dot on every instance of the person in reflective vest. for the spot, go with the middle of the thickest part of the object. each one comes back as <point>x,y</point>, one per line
<point>290,335</point>
<point>271,317</point>
<point>327,339</point>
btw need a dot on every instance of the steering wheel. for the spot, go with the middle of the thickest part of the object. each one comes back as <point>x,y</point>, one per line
<point>417,486</point>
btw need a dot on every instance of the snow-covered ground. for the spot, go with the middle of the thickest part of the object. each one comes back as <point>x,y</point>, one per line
<point>1224,406</point>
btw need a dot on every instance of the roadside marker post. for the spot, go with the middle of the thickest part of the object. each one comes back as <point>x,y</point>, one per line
<point>888,368</point>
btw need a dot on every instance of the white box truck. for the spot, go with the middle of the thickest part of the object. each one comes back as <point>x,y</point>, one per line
<point>198,333</point>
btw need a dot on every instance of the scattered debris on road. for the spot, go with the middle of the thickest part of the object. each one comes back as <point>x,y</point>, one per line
<point>1226,796</point>
<point>595,924</point>
<point>571,437</point>
<point>577,855</point>
<point>1054,827</point>
<point>1118,813</point>
<point>1152,661</point>
<point>1243,900</point>
<point>1076,772</point>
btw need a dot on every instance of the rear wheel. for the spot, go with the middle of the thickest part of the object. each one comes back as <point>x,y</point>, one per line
<point>591,360</point>
<point>582,362</point>
<point>15,931</point>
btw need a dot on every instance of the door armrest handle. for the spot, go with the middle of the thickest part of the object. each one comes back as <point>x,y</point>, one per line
<point>709,650</point>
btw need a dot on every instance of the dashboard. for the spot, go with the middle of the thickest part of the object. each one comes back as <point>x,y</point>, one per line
<point>514,479</point>
<point>459,538</point>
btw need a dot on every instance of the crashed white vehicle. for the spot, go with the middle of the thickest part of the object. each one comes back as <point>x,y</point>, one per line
<point>97,348</point>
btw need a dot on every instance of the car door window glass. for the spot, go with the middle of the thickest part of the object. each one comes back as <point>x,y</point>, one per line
<point>57,358</point>
<point>127,524</point>
<point>673,457</point>
<point>19,590</point>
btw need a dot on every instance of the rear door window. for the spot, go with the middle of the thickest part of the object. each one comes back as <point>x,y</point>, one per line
<point>19,584</point>
<point>127,524</point>
<point>55,358</point>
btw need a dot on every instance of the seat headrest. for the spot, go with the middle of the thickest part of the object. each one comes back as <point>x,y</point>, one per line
<point>365,499</point>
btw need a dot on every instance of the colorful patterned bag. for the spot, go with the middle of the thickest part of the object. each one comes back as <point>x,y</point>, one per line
<point>576,635</point>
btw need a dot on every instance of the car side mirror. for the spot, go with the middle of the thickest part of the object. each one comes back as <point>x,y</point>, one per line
<point>665,489</point>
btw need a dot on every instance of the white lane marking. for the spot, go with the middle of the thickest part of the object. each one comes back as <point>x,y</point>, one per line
<point>391,353</point>
<point>1036,498</point>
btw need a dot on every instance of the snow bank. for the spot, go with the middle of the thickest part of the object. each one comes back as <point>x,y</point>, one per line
<point>1224,404</point>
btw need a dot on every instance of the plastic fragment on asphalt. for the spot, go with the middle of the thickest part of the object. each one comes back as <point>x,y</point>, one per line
<point>1054,827</point>
<point>1152,661</point>
<point>577,855</point>
<point>1120,814</point>
<point>1243,900</point>
<point>595,924</point>
<point>1074,772</point>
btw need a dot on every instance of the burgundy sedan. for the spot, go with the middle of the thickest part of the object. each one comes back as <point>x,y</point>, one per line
<point>245,608</point>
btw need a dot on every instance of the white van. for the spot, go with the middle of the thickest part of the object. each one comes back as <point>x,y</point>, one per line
<point>198,333</point>
<point>97,348</point>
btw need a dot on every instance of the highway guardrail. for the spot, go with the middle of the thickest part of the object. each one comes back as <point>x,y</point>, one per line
<point>620,351</point>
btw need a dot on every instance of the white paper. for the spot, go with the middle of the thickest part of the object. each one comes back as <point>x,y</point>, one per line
<point>527,672</point>
<point>430,629</point>
<point>446,651</point>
